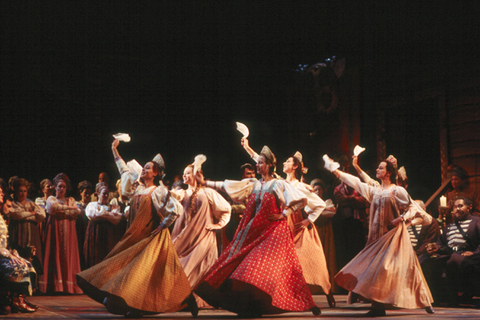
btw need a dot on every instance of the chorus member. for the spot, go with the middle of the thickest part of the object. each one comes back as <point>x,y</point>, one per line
<point>259,272</point>
<point>47,189</point>
<point>85,191</point>
<point>142,273</point>
<point>387,270</point>
<point>62,259</point>
<point>15,272</point>
<point>194,234</point>
<point>25,216</point>
<point>459,188</point>
<point>103,231</point>
<point>457,252</point>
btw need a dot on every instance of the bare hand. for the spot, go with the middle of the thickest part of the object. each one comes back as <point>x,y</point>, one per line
<point>432,250</point>
<point>395,222</point>
<point>17,260</point>
<point>467,253</point>
<point>213,227</point>
<point>245,143</point>
<point>157,230</point>
<point>302,224</point>
<point>355,160</point>
<point>275,217</point>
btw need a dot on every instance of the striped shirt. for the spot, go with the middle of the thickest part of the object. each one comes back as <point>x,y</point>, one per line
<point>454,237</point>
<point>413,239</point>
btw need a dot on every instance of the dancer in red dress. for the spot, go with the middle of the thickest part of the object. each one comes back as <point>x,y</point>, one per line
<point>259,272</point>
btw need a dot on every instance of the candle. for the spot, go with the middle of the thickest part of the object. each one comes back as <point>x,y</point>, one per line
<point>443,201</point>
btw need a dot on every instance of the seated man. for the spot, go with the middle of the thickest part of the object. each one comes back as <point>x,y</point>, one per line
<point>421,236</point>
<point>458,252</point>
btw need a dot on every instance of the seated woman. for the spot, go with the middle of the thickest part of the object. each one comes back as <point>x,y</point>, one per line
<point>15,272</point>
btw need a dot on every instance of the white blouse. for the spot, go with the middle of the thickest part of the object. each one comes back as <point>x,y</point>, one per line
<point>315,205</point>
<point>162,202</point>
<point>218,205</point>
<point>401,197</point>
<point>287,195</point>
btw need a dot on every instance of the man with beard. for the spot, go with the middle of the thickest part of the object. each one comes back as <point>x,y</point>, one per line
<point>457,251</point>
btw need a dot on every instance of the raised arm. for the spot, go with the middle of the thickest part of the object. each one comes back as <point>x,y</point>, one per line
<point>249,150</point>
<point>365,177</point>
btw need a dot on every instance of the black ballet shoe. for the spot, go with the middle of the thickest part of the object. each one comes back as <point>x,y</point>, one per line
<point>134,314</point>
<point>331,300</point>
<point>192,305</point>
<point>429,310</point>
<point>375,313</point>
<point>316,311</point>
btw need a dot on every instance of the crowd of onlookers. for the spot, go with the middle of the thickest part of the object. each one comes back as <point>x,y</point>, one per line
<point>54,233</point>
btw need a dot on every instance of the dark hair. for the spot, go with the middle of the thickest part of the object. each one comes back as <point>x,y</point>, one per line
<point>271,162</point>
<point>44,182</point>
<point>299,170</point>
<point>466,201</point>
<point>248,166</point>
<point>20,182</point>
<point>84,185</point>
<point>157,169</point>
<point>64,177</point>
<point>391,169</point>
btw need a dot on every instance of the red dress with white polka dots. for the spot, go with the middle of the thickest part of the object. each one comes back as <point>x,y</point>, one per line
<point>259,269</point>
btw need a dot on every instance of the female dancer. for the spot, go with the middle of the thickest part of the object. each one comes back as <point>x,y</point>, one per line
<point>194,237</point>
<point>259,271</point>
<point>142,274</point>
<point>307,241</point>
<point>62,259</point>
<point>387,271</point>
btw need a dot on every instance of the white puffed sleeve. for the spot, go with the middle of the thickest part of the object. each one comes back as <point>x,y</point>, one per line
<point>410,208</point>
<point>289,197</point>
<point>127,177</point>
<point>255,156</point>
<point>364,189</point>
<point>93,210</point>
<point>366,178</point>
<point>220,207</point>
<point>236,190</point>
<point>315,204</point>
<point>166,204</point>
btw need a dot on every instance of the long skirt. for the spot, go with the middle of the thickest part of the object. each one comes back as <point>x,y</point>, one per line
<point>387,271</point>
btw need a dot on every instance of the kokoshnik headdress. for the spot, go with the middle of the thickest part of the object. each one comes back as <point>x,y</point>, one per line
<point>299,157</point>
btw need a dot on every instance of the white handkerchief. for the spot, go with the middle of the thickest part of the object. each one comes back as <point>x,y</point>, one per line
<point>330,165</point>
<point>357,150</point>
<point>125,137</point>
<point>243,129</point>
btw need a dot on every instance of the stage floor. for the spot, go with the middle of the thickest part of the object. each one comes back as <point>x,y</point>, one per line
<point>82,307</point>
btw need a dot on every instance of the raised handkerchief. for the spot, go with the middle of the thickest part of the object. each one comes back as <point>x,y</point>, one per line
<point>125,137</point>
<point>330,165</point>
<point>357,150</point>
<point>243,129</point>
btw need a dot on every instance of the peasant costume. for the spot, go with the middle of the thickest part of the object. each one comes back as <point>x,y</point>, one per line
<point>259,270</point>
<point>14,277</point>
<point>142,272</point>
<point>104,230</point>
<point>23,227</point>
<point>62,260</point>
<point>387,269</point>
<point>195,245</point>
<point>307,242</point>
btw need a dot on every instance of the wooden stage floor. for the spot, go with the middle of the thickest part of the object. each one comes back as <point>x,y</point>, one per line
<point>82,307</point>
